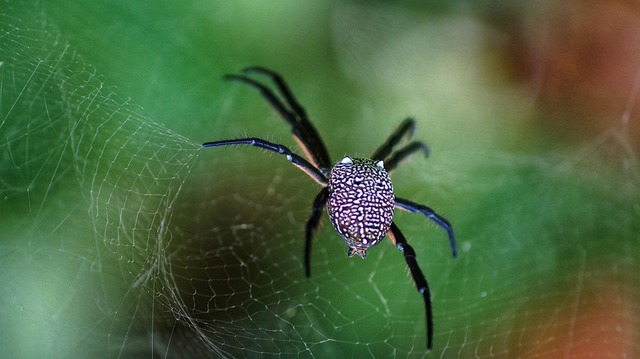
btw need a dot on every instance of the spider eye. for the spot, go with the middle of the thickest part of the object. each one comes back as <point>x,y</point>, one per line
<point>346,160</point>
<point>380,164</point>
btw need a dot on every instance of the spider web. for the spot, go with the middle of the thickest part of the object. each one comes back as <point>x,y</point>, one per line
<point>122,238</point>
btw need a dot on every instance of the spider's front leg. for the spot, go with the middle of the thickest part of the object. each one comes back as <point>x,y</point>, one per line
<point>298,161</point>
<point>392,158</point>
<point>418,277</point>
<point>291,111</point>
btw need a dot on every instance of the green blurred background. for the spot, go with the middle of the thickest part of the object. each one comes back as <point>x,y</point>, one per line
<point>122,238</point>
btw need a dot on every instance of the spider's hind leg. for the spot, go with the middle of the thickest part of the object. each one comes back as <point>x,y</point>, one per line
<point>312,226</point>
<point>418,277</point>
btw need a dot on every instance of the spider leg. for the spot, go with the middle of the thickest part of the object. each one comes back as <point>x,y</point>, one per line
<point>405,129</point>
<point>432,215</point>
<point>404,153</point>
<point>312,225</point>
<point>282,87</point>
<point>291,111</point>
<point>418,277</point>
<point>302,129</point>
<point>298,161</point>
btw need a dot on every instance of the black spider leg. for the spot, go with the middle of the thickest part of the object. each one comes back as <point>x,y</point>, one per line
<point>312,225</point>
<point>432,215</point>
<point>403,153</point>
<point>300,162</point>
<point>405,129</point>
<point>305,134</point>
<point>418,277</point>
<point>301,128</point>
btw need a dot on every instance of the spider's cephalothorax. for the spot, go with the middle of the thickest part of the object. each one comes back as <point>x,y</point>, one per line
<point>356,191</point>
<point>360,203</point>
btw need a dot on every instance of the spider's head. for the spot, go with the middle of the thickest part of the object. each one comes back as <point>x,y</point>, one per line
<point>361,202</point>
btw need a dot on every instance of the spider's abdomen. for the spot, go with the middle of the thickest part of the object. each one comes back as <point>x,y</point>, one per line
<point>361,202</point>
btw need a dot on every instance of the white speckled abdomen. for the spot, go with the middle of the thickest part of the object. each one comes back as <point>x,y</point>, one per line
<point>361,202</point>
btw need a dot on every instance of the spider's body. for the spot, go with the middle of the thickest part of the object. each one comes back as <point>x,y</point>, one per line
<point>361,202</point>
<point>357,192</point>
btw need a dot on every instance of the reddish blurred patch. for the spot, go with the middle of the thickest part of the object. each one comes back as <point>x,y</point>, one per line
<point>582,59</point>
<point>598,320</point>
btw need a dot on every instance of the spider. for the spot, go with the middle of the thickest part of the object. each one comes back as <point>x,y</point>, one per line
<point>357,192</point>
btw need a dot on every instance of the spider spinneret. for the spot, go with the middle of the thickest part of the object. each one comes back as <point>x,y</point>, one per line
<point>357,192</point>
